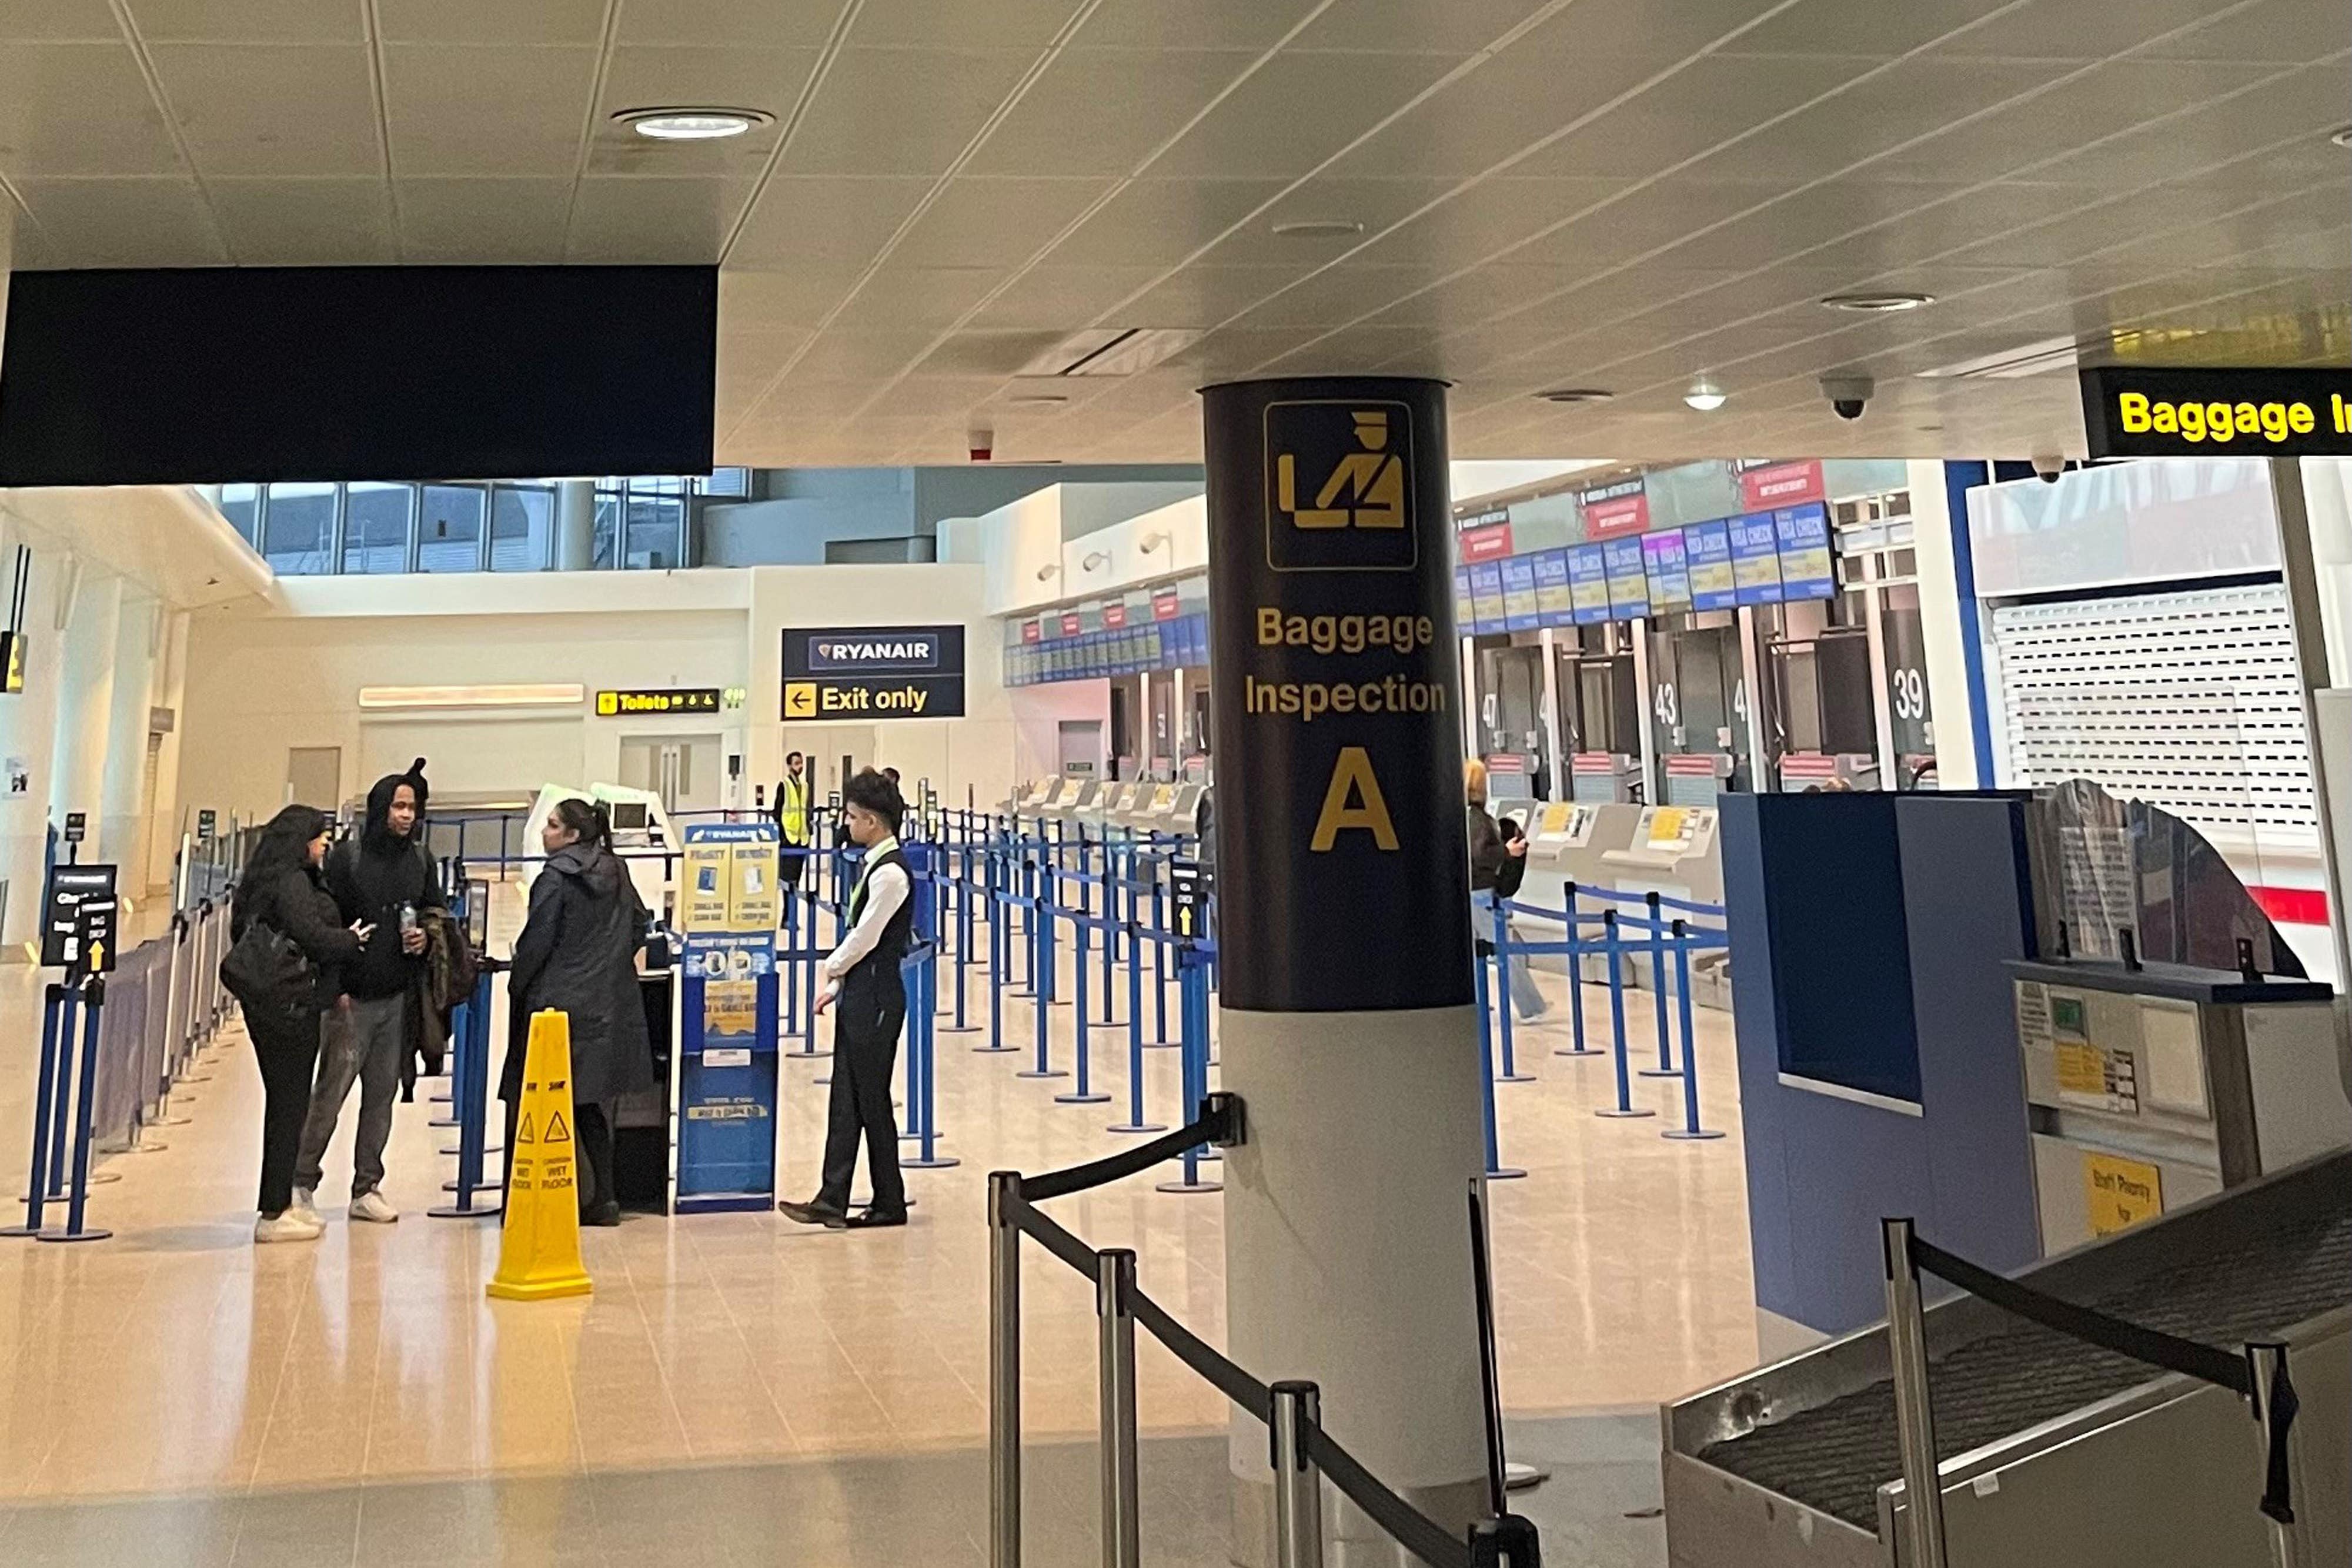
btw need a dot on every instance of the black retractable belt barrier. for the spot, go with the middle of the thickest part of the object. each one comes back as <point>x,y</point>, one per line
<point>2208,1363</point>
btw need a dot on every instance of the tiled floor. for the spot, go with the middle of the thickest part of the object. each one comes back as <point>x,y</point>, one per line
<point>363,1387</point>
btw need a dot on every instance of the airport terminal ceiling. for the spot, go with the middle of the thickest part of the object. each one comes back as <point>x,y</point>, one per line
<point>959,216</point>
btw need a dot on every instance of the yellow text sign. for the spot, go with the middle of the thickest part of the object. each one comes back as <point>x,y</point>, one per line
<point>2120,1192</point>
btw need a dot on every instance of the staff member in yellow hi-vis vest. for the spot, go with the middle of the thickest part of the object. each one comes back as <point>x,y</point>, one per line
<point>869,1008</point>
<point>791,813</point>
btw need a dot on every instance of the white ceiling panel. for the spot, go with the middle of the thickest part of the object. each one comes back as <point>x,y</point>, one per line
<point>927,25</point>
<point>309,223</point>
<point>792,299</point>
<point>249,21</point>
<point>1252,25</point>
<point>767,79</point>
<point>277,108</point>
<point>1103,111</point>
<point>629,218</point>
<point>490,109</point>
<point>825,220</point>
<point>1161,222</point>
<point>123,223</point>
<point>1456,28</point>
<point>901,112</point>
<point>932,298</point>
<point>1296,111</point>
<point>995,222</point>
<point>58,21</point>
<point>78,109</point>
<point>1050,296</point>
<point>579,22</point>
<point>489,220</point>
<point>761,23</point>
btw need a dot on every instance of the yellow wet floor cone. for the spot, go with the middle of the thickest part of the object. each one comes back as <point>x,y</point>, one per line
<point>539,1254</point>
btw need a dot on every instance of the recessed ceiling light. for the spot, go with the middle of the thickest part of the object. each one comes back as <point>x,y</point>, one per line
<point>2343,138</point>
<point>1576,394</point>
<point>1878,304</point>
<point>1037,400</point>
<point>1705,396</point>
<point>691,124</point>
<point>1319,228</point>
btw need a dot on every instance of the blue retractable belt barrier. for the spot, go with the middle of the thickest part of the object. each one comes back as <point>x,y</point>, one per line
<point>1616,956</point>
<point>470,1084</point>
<point>1496,1169</point>
<point>1193,968</point>
<point>1690,1129</point>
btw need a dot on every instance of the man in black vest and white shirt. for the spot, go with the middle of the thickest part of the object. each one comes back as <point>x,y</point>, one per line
<point>869,1002</point>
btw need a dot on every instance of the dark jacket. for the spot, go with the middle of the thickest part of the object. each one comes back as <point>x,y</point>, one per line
<point>1492,869</point>
<point>296,906</point>
<point>577,954</point>
<point>372,874</point>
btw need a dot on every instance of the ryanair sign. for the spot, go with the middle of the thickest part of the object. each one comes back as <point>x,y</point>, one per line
<point>869,672</point>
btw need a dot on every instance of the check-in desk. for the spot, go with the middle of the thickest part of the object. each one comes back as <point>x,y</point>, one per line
<point>1566,841</point>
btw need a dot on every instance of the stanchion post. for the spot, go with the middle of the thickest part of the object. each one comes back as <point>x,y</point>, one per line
<point>1666,1067</point>
<point>1193,1025</point>
<point>1135,1121</point>
<point>1298,1483</point>
<point>1690,1129</point>
<point>1496,1169</point>
<point>1122,1531</point>
<point>1615,950</point>
<point>57,1012</point>
<point>1915,1415</point>
<point>1083,1092</point>
<point>1004,1369</point>
<point>1159,955</point>
<point>76,1203</point>
<point>1504,1021</point>
<point>1041,970</point>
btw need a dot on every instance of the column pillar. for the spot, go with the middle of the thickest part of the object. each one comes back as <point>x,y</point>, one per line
<point>575,525</point>
<point>1344,950</point>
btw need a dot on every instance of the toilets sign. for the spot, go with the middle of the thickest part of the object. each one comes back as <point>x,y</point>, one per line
<point>869,672</point>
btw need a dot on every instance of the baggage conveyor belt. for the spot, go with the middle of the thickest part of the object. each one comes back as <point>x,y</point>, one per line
<point>2281,1270</point>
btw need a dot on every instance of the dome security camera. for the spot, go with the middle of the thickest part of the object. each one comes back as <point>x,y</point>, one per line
<point>1847,395</point>
<point>2047,466</point>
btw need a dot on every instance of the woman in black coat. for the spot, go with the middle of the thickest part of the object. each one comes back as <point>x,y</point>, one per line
<point>577,955</point>
<point>280,889</point>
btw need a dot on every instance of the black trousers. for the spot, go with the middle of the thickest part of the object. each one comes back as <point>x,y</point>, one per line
<point>789,864</point>
<point>867,1017</point>
<point>288,1050</point>
<point>592,1133</point>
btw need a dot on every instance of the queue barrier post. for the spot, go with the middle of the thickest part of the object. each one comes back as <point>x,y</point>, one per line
<point>1503,1006</point>
<point>999,944</point>
<point>1193,1024</point>
<point>1160,974</point>
<point>1122,1531</point>
<point>1082,1092</point>
<point>56,1017</point>
<point>1004,1203</point>
<point>1496,1169</point>
<point>1041,969</point>
<point>1135,1121</point>
<point>84,1133</point>
<point>1690,1130</point>
<point>922,1065</point>
<point>1298,1482</point>
<point>469,1076</point>
<point>961,856</point>
<point>1612,945</point>
<point>1576,948</point>
<point>1666,1067</point>
<point>1914,1415</point>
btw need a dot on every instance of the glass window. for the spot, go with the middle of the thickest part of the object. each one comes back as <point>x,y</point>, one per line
<point>523,526</point>
<point>726,481</point>
<point>375,527</point>
<point>298,528</point>
<point>608,528</point>
<point>656,525</point>
<point>241,504</point>
<point>449,528</point>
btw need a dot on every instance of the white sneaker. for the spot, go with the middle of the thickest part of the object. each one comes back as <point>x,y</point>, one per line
<point>375,1207</point>
<point>305,1200</point>
<point>291,1224</point>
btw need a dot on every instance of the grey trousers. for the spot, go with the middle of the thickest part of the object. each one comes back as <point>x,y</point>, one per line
<point>361,1043</point>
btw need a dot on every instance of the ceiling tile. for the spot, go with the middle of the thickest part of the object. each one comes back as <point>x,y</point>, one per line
<point>2288,121</point>
<point>1103,111</point>
<point>58,21</point>
<point>1456,28</point>
<point>1334,297</point>
<point>250,21</point>
<point>901,112</point>
<point>1643,30</point>
<point>790,300</point>
<point>123,223</point>
<point>1870,27</point>
<point>805,219</point>
<point>1203,295</point>
<point>309,223</point>
<point>651,220</point>
<point>931,298</point>
<point>491,110</point>
<point>1001,223</point>
<point>78,109</point>
<point>1051,296</point>
<point>1161,222</point>
<point>929,25</point>
<point>1297,112</point>
<point>1252,25</point>
<point>1484,221</point>
<point>499,22</point>
<point>483,220</point>
<point>762,24</point>
<point>2055,30</point>
<point>272,108</point>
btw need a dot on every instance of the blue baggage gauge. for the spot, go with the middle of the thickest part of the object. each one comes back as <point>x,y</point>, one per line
<point>1520,612</point>
<point>1486,597</point>
<point>1665,563</point>
<point>1555,601</point>
<point>725,1060</point>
